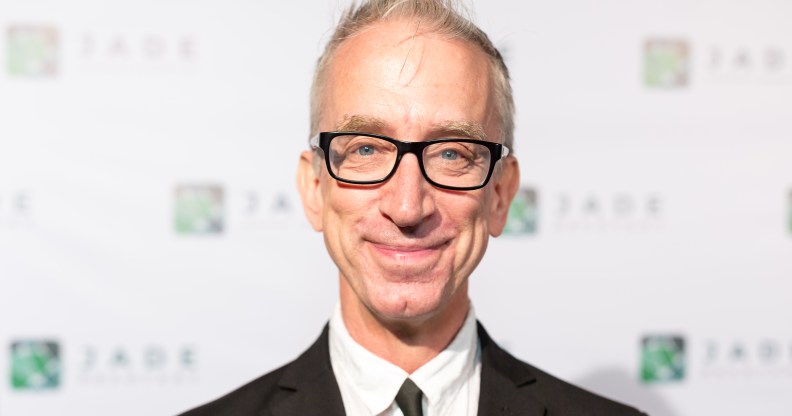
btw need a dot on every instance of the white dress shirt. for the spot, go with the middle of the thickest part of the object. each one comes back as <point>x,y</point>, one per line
<point>450,382</point>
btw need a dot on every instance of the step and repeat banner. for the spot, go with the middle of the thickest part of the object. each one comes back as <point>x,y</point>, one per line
<point>154,253</point>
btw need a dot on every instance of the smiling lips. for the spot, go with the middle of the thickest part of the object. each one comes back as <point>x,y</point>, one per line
<point>408,252</point>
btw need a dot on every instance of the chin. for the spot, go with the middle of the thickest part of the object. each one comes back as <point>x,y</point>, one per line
<point>408,301</point>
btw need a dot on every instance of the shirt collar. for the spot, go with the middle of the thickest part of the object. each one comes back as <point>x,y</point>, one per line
<point>376,381</point>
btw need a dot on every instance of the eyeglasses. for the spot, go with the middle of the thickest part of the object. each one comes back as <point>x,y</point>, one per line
<point>366,159</point>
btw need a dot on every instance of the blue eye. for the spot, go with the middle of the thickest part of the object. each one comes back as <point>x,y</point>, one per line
<point>449,155</point>
<point>365,150</point>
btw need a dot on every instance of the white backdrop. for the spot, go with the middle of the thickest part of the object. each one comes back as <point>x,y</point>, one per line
<point>153,253</point>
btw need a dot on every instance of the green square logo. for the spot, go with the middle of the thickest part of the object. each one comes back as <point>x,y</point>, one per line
<point>666,63</point>
<point>35,365</point>
<point>32,51</point>
<point>662,359</point>
<point>523,214</point>
<point>789,214</point>
<point>198,210</point>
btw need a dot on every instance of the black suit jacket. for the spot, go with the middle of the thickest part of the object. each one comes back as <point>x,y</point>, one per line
<point>307,387</point>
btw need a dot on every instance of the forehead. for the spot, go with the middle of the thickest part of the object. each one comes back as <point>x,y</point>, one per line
<point>410,79</point>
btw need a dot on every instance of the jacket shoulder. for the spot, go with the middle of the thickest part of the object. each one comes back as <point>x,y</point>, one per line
<point>507,379</point>
<point>563,398</point>
<point>305,383</point>
<point>245,400</point>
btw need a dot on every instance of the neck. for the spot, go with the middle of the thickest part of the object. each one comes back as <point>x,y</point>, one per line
<point>406,343</point>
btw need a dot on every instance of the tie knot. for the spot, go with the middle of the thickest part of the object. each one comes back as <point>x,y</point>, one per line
<point>409,399</point>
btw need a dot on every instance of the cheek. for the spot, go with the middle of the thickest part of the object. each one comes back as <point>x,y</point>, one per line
<point>345,209</point>
<point>465,212</point>
<point>467,216</point>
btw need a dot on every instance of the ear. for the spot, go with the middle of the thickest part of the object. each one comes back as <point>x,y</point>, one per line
<point>310,189</point>
<point>505,187</point>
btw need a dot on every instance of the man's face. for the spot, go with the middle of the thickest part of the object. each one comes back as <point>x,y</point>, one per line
<point>404,248</point>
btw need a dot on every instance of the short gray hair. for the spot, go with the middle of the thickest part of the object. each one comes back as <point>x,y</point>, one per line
<point>441,16</point>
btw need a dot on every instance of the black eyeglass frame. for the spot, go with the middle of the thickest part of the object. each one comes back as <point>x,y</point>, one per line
<point>323,139</point>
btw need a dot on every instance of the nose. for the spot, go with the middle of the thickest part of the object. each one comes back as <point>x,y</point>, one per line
<point>407,198</point>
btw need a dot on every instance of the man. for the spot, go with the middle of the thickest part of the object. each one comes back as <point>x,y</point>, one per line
<point>409,175</point>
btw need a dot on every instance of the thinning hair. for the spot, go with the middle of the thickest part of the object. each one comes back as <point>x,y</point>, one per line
<point>447,17</point>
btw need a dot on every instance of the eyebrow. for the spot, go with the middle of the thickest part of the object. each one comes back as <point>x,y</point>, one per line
<point>470,129</point>
<point>457,128</point>
<point>361,124</point>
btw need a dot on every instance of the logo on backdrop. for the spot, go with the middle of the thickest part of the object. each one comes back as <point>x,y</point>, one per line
<point>15,209</point>
<point>523,213</point>
<point>198,210</point>
<point>32,51</point>
<point>257,204</point>
<point>260,209</point>
<point>789,212</point>
<point>621,211</point>
<point>35,365</point>
<point>666,63</point>
<point>136,52</point>
<point>662,358</point>
<point>134,365</point>
<point>208,209</point>
<point>673,358</point>
<point>743,358</point>
<point>766,63</point>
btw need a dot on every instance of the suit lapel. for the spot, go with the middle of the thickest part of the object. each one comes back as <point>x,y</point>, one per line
<point>308,386</point>
<point>505,383</point>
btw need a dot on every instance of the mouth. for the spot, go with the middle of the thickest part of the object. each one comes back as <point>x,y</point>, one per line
<point>408,252</point>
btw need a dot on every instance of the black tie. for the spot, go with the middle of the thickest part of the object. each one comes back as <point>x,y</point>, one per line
<point>409,399</point>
